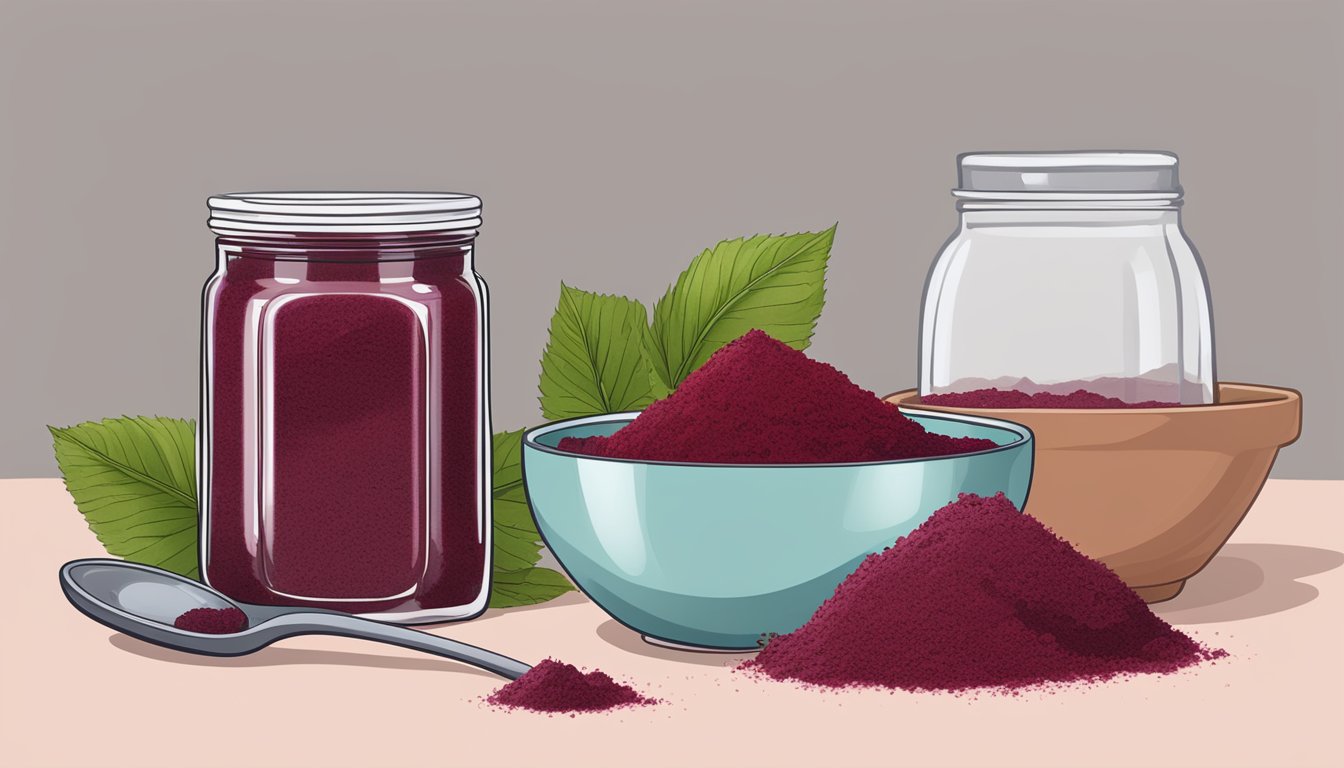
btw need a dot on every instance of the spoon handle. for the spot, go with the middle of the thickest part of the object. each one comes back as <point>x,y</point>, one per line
<point>367,629</point>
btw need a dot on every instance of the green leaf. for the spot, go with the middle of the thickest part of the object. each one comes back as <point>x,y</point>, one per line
<point>594,361</point>
<point>134,481</point>
<point>657,389</point>
<point>774,283</point>
<point>529,587</point>
<point>517,544</point>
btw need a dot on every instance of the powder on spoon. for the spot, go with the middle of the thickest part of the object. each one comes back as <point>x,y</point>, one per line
<point>554,686</point>
<point>212,621</point>
<point>979,596</point>
<point>759,401</point>
<point>1013,398</point>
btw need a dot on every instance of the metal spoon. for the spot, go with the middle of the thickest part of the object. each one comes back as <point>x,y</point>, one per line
<point>143,601</point>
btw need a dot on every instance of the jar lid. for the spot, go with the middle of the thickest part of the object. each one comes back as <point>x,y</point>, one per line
<point>1071,175</point>
<point>243,213</point>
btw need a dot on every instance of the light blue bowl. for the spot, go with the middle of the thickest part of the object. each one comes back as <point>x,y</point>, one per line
<point>715,555</point>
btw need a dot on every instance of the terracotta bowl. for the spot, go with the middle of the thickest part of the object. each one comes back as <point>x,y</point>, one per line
<point>1154,493</point>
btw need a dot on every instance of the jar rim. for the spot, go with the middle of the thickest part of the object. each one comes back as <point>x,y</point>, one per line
<point>253,213</point>
<point>1099,175</point>
<point>1119,158</point>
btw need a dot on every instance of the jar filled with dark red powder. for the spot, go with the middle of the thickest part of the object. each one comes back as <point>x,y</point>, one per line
<point>1069,283</point>
<point>344,444</point>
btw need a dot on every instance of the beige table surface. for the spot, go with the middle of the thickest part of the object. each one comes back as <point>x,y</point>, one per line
<point>73,693</point>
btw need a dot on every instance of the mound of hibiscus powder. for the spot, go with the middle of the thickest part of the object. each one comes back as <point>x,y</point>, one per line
<point>212,621</point>
<point>1013,398</point>
<point>554,686</point>
<point>759,401</point>
<point>979,596</point>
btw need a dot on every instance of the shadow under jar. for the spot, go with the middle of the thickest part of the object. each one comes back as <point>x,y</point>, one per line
<point>344,446</point>
<point>1069,271</point>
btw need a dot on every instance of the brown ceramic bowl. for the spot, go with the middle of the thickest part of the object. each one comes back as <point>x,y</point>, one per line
<point>1155,492</point>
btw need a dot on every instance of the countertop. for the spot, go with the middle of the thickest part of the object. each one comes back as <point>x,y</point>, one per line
<point>73,693</point>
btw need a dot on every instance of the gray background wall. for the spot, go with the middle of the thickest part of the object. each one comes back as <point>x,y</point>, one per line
<point>612,140</point>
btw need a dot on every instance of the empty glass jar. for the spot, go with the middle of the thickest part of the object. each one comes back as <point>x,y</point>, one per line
<point>1069,271</point>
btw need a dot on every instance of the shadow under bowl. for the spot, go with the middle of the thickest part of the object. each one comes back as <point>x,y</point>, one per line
<point>1153,493</point>
<point>715,555</point>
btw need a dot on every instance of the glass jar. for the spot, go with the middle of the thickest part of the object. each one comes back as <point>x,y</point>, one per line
<point>1069,271</point>
<point>344,444</point>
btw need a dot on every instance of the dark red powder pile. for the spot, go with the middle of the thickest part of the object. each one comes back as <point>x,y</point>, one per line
<point>212,621</point>
<point>554,686</point>
<point>979,596</point>
<point>1012,398</point>
<point>759,401</point>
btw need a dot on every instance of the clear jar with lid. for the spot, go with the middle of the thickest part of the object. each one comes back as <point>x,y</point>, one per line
<point>344,447</point>
<point>1069,271</point>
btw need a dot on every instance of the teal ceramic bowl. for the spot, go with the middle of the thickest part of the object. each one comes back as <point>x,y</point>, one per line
<point>714,555</point>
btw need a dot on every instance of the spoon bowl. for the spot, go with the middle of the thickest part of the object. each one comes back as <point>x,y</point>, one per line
<point>143,601</point>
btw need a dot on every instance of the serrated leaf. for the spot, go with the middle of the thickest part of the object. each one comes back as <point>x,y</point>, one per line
<point>535,585</point>
<point>517,543</point>
<point>594,359</point>
<point>657,389</point>
<point>134,481</point>
<point>774,283</point>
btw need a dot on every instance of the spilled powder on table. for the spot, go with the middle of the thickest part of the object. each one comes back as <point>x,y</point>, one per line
<point>555,687</point>
<point>979,596</point>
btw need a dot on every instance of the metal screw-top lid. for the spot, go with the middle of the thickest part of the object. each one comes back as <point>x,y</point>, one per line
<point>990,175</point>
<point>343,212</point>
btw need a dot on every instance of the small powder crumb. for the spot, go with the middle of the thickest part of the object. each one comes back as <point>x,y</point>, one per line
<point>760,401</point>
<point>212,621</point>
<point>553,686</point>
<point>1012,398</point>
<point>979,596</point>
